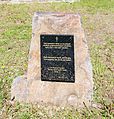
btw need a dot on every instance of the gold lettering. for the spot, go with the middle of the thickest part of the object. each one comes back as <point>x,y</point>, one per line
<point>57,45</point>
<point>57,58</point>
<point>57,69</point>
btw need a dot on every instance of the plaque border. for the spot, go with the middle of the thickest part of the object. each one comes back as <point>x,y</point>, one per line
<point>73,57</point>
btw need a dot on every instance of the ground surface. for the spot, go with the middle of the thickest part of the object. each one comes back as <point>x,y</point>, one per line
<point>15,35</point>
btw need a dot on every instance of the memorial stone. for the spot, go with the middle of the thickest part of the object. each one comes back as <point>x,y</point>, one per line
<point>59,68</point>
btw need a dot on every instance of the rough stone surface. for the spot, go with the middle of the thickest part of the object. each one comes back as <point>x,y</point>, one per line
<point>19,89</point>
<point>32,89</point>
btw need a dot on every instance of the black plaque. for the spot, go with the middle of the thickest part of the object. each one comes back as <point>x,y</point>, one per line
<point>57,58</point>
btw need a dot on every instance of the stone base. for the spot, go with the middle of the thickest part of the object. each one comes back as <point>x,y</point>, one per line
<point>50,93</point>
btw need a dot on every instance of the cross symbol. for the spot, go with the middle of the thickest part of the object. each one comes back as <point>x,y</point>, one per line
<point>56,39</point>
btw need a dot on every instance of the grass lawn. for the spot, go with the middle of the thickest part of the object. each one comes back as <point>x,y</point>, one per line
<point>15,35</point>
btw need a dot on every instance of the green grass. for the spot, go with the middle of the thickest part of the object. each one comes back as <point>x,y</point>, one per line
<point>15,35</point>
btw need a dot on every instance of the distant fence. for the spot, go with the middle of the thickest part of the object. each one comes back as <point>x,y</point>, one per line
<point>20,1</point>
